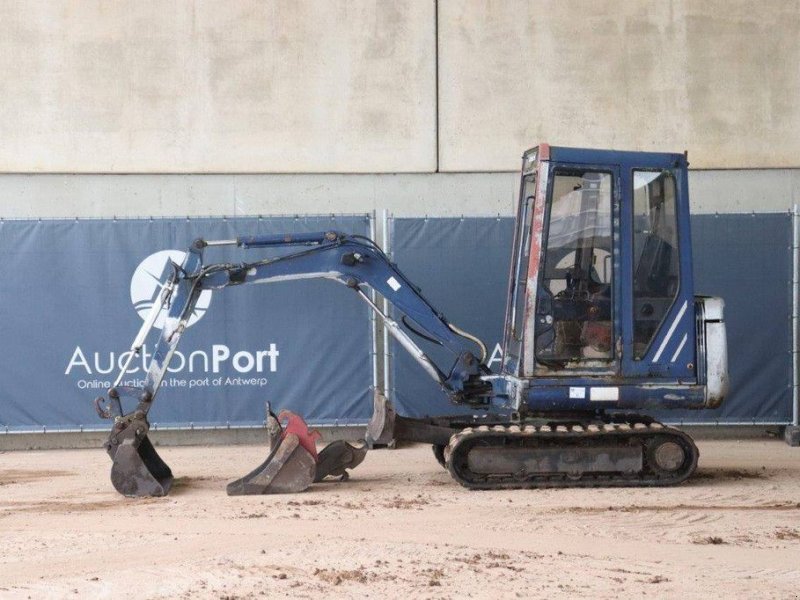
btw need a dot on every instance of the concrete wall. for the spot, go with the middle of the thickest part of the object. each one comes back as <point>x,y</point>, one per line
<point>350,86</point>
<point>191,86</point>
<point>434,194</point>
<point>719,78</point>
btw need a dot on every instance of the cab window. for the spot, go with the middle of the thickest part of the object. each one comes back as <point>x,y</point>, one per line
<point>656,264</point>
<point>574,304</point>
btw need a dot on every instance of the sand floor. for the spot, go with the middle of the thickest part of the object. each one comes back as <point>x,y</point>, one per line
<point>399,527</point>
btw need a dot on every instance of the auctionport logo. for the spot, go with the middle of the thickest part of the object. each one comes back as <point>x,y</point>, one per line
<point>149,279</point>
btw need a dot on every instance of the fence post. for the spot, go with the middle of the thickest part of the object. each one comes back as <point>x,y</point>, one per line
<point>795,306</point>
<point>373,322</point>
<point>387,248</point>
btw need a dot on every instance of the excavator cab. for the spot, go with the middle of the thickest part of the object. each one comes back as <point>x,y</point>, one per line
<point>601,306</point>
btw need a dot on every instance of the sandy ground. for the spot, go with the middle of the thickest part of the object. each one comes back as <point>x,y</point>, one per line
<point>399,527</point>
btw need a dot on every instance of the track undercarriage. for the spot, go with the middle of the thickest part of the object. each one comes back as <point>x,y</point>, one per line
<point>633,453</point>
<point>569,451</point>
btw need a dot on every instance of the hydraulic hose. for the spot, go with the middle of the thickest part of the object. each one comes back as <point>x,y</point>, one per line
<point>472,338</point>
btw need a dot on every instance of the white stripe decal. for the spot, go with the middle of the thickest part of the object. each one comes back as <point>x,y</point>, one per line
<point>670,332</point>
<point>680,347</point>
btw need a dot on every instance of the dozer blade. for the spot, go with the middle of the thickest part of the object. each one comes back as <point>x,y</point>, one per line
<point>337,457</point>
<point>380,429</point>
<point>137,469</point>
<point>291,464</point>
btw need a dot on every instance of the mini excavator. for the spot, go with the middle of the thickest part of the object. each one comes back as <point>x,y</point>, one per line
<point>602,326</point>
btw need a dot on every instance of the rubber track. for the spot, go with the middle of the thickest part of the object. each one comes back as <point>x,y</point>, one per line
<point>623,434</point>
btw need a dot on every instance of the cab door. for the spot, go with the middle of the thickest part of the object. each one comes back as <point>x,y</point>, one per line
<point>577,314</point>
<point>657,294</point>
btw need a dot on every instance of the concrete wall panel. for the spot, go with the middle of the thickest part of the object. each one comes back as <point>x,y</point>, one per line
<point>718,78</point>
<point>246,86</point>
<point>405,194</point>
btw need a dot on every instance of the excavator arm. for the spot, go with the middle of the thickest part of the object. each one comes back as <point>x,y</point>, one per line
<point>360,264</point>
<point>354,261</point>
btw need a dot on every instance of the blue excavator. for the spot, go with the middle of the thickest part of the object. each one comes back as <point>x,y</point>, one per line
<point>602,327</point>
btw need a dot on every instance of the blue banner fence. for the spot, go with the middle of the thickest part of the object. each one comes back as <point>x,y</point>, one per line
<point>74,291</point>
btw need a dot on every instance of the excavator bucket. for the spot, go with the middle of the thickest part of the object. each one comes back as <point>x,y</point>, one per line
<point>291,465</point>
<point>137,469</point>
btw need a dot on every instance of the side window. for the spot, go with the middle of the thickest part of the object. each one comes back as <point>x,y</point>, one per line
<point>574,315</point>
<point>656,268</point>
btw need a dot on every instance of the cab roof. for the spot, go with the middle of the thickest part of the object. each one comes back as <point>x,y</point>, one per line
<point>592,156</point>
